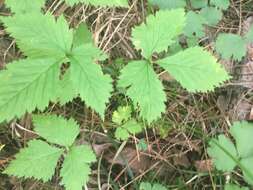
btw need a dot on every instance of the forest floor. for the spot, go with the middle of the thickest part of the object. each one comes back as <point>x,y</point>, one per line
<point>174,151</point>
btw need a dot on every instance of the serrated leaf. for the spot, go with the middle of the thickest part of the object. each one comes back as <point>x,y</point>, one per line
<point>222,4</point>
<point>26,85</point>
<point>66,91</point>
<point>168,4</point>
<point>56,129</point>
<point>82,36</point>
<point>235,187</point>
<point>103,3</point>
<point>122,114</point>
<point>243,133</point>
<point>221,150</point>
<point>39,35</point>
<point>194,25</point>
<point>24,6</point>
<point>122,134</point>
<point>144,88</point>
<point>88,79</point>
<point>212,15</point>
<point>131,127</point>
<point>158,32</point>
<point>76,169</point>
<point>231,46</point>
<point>37,161</point>
<point>195,69</point>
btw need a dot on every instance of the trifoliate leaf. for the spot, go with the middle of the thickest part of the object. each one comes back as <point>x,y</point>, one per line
<point>145,89</point>
<point>25,6</point>
<point>212,15</point>
<point>235,187</point>
<point>88,79</point>
<point>243,133</point>
<point>76,167</point>
<point>195,69</point>
<point>122,114</point>
<point>168,4</point>
<point>198,4</point>
<point>39,35</point>
<point>26,85</point>
<point>247,168</point>
<point>82,36</point>
<point>37,161</point>
<point>222,150</point>
<point>131,127</point>
<point>158,32</point>
<point>222,4</point>
<point>194,25</point>
<point>103,3</point>
<point>231,45</point>
<point>56,129</point>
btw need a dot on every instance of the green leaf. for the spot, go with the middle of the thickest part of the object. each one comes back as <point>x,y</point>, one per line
<point>122,114</point>
<point>158,32</point>
<point>82,36</point>
<point>103,3</point>
<point>235,187</point>
<point>76,167</point>
<point>145,89</point>
<point>37,161</point>
<point>26,85</point>
<point>56,129</point>
<point>148,186</point>
<point>243,133</point>
<point>24,6</point>
<point>66,91</point>
<point>129,128</point>
<point>231,45</point>
<point>88,79</point>
<point>39,35</point>
<point>195,69</point>
<point>196,20</point>
<point>247,168</point>
<point>159,187</point>
<point>198,4</point>
<point>168,4</point>
<point>221,150</point>
<point>222,4</point>
<point>212,15</point>
<point>145,186</point>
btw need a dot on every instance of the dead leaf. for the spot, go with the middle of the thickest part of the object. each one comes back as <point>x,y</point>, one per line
<point>247,75</point>
<point>204,165</point>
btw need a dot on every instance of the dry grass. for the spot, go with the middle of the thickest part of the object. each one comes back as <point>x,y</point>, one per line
<point>193,118</point>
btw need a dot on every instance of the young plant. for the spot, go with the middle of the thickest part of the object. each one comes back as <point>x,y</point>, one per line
<point>227,156</point>
<point>126,125</point>
<point>39,159</point>
<point>195,69</point>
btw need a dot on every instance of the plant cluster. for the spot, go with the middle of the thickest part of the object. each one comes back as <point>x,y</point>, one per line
<point>49,44</point>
